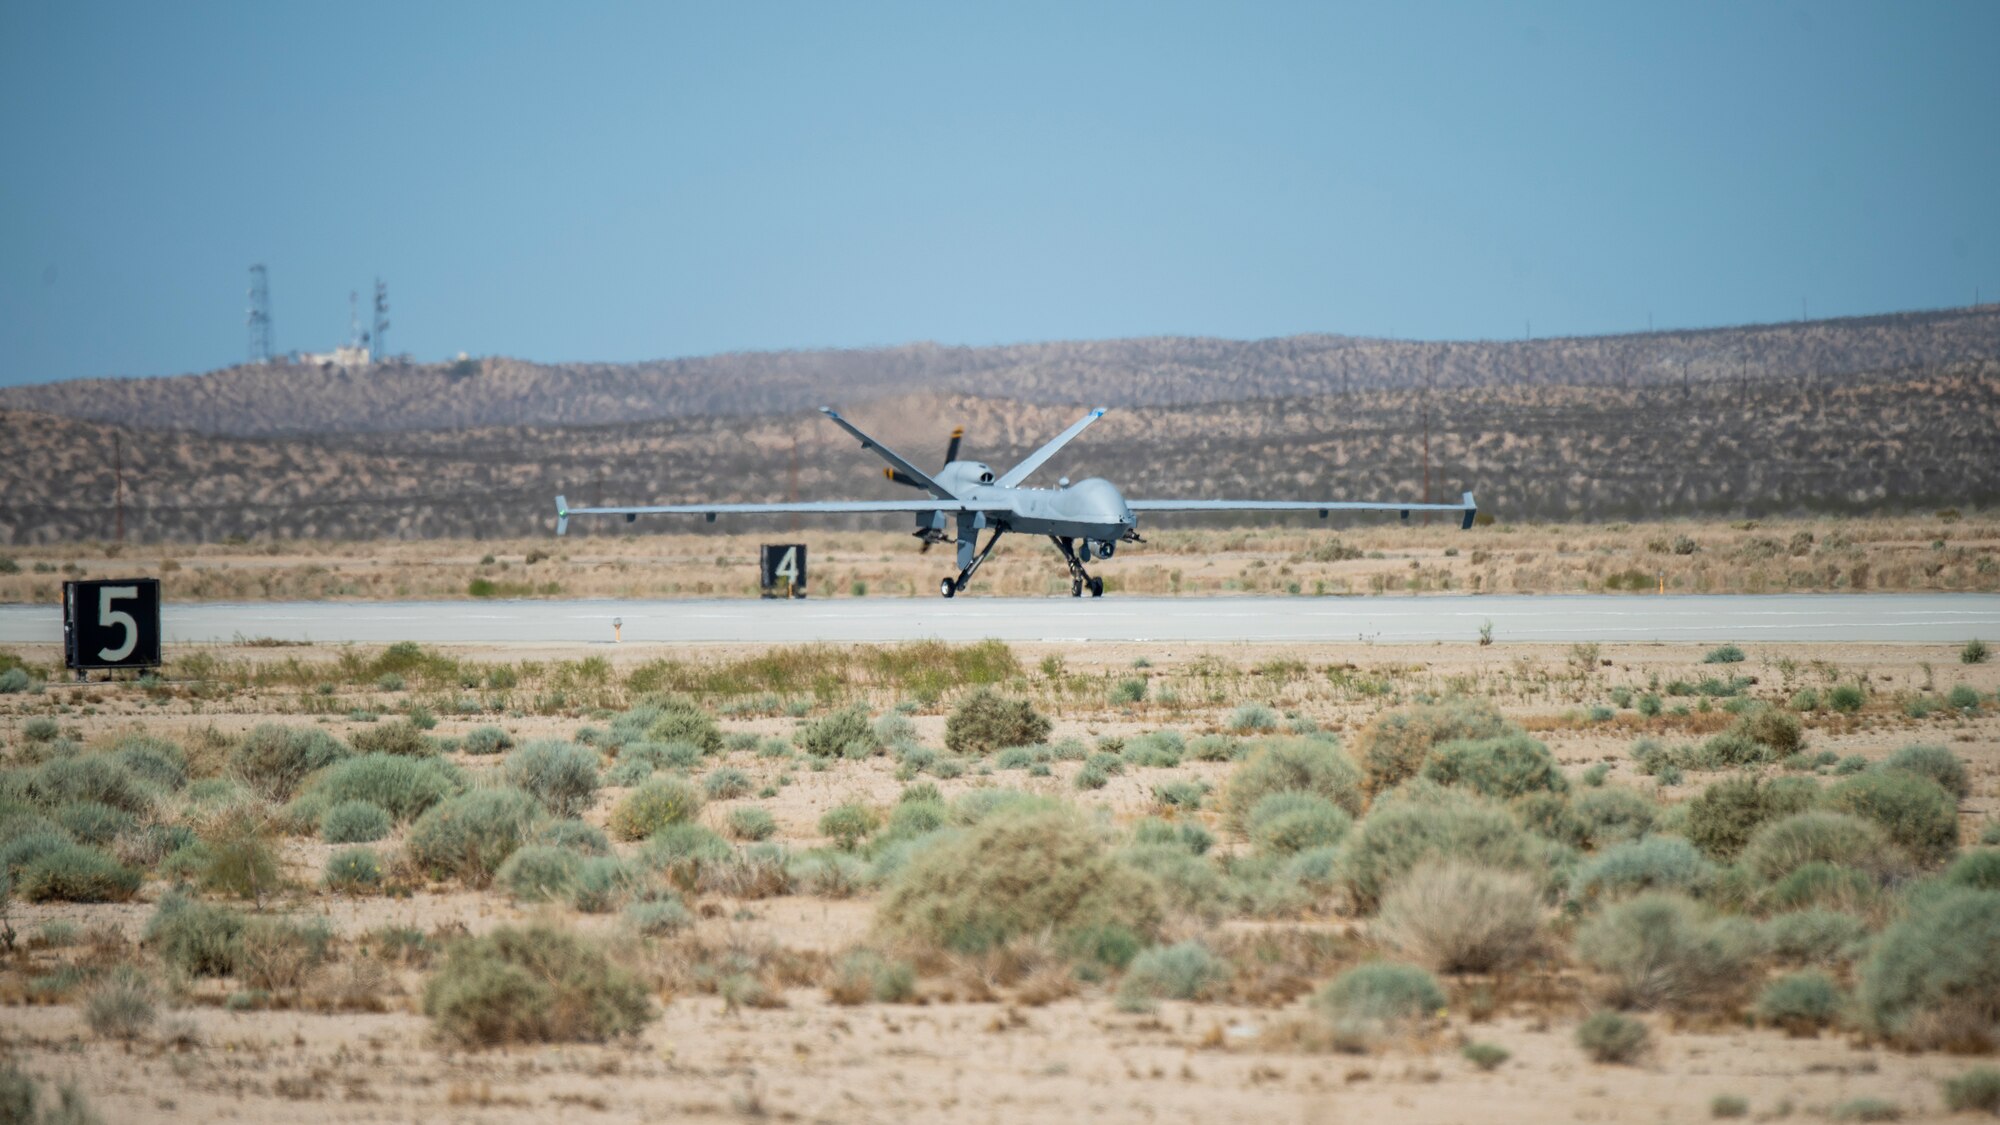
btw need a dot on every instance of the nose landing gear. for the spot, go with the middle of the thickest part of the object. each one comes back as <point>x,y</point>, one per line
<point>1079,578</point>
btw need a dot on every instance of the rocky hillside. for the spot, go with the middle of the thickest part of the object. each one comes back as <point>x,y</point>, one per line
<point>1162,372</point>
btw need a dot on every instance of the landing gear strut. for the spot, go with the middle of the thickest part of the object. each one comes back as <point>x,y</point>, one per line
<point>1079,578</point>
<point>949,586</point>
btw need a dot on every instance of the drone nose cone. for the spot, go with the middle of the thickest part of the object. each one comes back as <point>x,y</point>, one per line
<point>1099,501</point>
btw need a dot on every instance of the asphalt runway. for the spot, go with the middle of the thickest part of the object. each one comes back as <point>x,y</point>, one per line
<point>1552,617</point>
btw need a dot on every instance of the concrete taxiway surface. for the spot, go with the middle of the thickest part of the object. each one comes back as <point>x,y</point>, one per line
<point>1556,617</point>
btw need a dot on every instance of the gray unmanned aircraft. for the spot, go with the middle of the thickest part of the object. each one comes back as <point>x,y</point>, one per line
<point>966,497</point>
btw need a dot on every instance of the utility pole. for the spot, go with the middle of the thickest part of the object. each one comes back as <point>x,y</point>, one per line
<point>118,485</point>
<point>380,331</point>
<point>792,480</point>
<point>1429,381</point>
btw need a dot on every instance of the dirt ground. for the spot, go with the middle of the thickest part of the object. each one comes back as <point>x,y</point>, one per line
<point>1014,1057</point>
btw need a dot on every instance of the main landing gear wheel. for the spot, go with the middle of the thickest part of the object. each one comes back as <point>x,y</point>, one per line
<point>1096,587</point>
<point>947,587</point>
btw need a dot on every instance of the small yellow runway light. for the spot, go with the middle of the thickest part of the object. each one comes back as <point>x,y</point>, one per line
<point>617,629</point>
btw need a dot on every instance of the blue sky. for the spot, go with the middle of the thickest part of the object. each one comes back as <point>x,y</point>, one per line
<point>600,181</point>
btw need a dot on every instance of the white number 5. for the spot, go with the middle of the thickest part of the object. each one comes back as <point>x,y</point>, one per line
<point>107,617</point>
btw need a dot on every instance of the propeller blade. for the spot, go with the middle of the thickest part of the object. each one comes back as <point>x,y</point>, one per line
<point>951,451</point>
<point>900,477</point>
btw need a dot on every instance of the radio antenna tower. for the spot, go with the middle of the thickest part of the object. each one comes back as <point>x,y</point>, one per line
<point>354,337</point>
<point>260,315</point>
<point>381,331</point>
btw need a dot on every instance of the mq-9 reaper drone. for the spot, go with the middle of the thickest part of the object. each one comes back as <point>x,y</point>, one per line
<point>967,496</point>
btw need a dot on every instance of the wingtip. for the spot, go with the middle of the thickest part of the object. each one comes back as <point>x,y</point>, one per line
<point>827,410</point>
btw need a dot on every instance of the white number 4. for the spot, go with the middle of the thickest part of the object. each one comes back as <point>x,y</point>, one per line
<point>108,617</point>
<point>788,566</point>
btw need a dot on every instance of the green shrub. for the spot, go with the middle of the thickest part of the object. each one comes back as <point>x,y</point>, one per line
<point>1656,863</point>
<point>1291,765</point>
<point>1826,886</point>
<point>1395,839</point>
<point>581,838</point>
<point>1771,727</point>
<point>1504,767</point>
<point>1974,652</point>
<point>1915,812</point>
<point>985,721</point>
<point>1460,918</point>
<point>1377,999</point>
<point>750,822</point>
<point>14,681</point>
<point>1728,1105</point>
<point>915,818</point>
<point>93,822</point>
<point>1814,936</point>
<point>1727,654</point>
<point>1021,870</point>
<point>673,721</point>
<point>487,740</point>
<point>469,836</point>
<point>848,824</point>
<point>1846,698</point>
<point>1608,1037</point>
<point>1485,1056</point>
<point>865,975</point>
<point>154,760</point>
<point>274,759</point>
<point>1724,817</point>
<point>539,872</point>
<point>560,775</point>
<point>1662,949</point>
<point>1290,821</point>
<point>1935,763</point>
<point>353,871</point>
<point>726,784</point>
<point>658,917</point>
<point>1977,1089</point>
<point>355,822</point>
<point>402,738</point>
<point>1783,846</point>
<point>41,728</point>
<point>1934,977</point>
<point>653,806</point>
<point>1979,870</point>
<point>121,1005</point>
<point>1613,814</point>
<point>200,939</point>
<point>603,883</point>
<point>76,873</point>
<point>1962,697</point>
<point>1252,718</point>
<point>1187,971</point>
<point>1394,746</point>
<point>828,875</point>
<point>638,761</point>
<point>1180,793</point>
<point>405,787</point>
<point>1866,1109</point>
<point>95,777</point>
<point>535,985</point>
<point>843,734</point>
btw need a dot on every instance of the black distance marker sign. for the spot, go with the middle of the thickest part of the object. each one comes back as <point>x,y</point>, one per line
<point>783,570</point>
<point>112,623</point>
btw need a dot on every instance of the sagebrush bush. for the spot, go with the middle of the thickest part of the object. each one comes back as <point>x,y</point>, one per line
<point>845,733</point>
<point>864,975</point>
<point>93,822</point>
<point>659,802</point>
<point>638,761</point>
<point>1978,869</point>
<point>1381,998</point>
<point>535,985</point>
<point>1802,1003</point>
<point>355,822</point>
<point>76,873</point>
<point>1846,698</point>
<point>1976,1089</point>
<point>848,824</point>
<point>662,917</point>
<point>274,759</point>
<point>152,759</point>
<point>1916,812</point>
<point>198,938</point>
<point>469,836</point>
<point>1295,765</point>
<point>121,1005</point>
<point>1656,863</point>
<point>1290,821</point>
<point>402,738</point>
<point>560,775</point>
<point>1773,728</point>
<point>828,875</point>
<point>94,777</point>
<point>1783,846</point>
<point>14,681</point>
<point>354,871</point>
<point>1936,763</point>
<point>1187,971</point>
<point>1608,1037</point>
<point>985,721</point>
<point>679,721</point>
<point>684,847</point>
<point>1814,936</point>
<point>750,822</point>
<point>487,740</point>
<point>1663,949</point>
<point>1457,917</point>
<point>1827,886</point>
<point>914,818</point>
<point>405,787</point>
<point>1504,767</point>
<point>1396,838</point>
<point>1934,977</point>
<point>1722,819</point>
<point>539,872</point>
<point>726,784</point>
<point>1251,718</point>
<point>1021,870</point>
<point>604,883</point>
<point>1613,814</point>
<point>1395,744</point>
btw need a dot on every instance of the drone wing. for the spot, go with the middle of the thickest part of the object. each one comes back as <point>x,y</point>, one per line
<point>564,511</point>
<point>1467,508</point>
